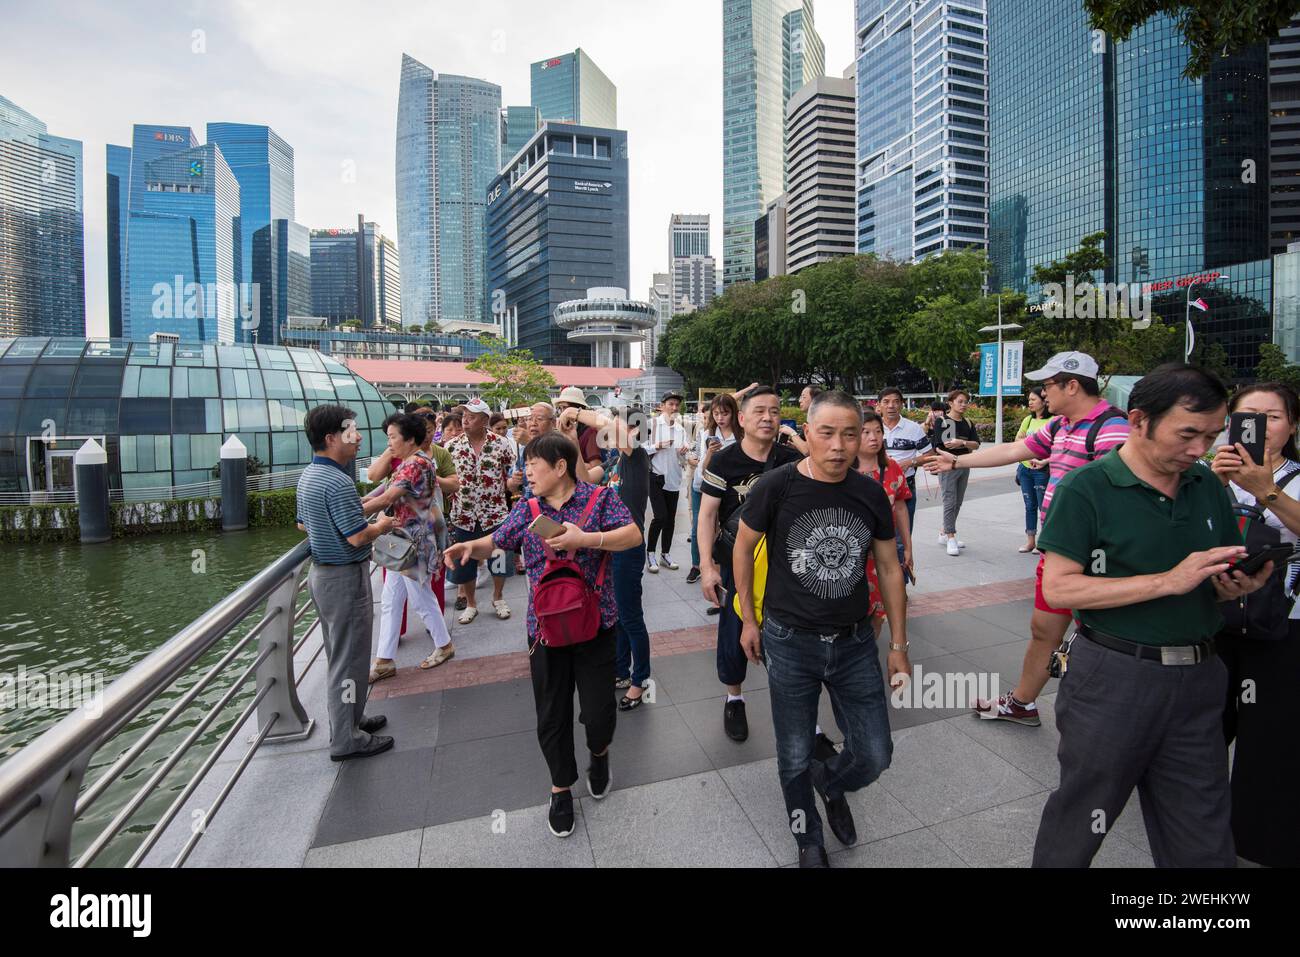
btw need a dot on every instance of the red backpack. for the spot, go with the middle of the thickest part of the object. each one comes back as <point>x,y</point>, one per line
<point>567,608</point>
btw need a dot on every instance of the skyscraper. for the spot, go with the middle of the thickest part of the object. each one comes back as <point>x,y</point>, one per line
<point>355,277</point>
<point>661,300</point>
<point>770,48</point>
<point>1284,138</point>
<point>519,123</point>
<point>570,88</point>
<point>691,271</point>
<point>117,165</point>
<point>820,141</point>
<point>922,124</point>
<point>42,233</point>
<point>448,151</point>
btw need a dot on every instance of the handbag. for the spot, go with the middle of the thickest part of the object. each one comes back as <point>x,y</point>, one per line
<point>395,551</point>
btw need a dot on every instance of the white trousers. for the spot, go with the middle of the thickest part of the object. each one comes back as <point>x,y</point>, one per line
<point>418,596</point>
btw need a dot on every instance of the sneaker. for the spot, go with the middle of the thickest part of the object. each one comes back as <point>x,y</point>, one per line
<point>953,547</point>
<point>1007,708</point>
<point>668,563</point>
<point>960,543</point>
<point>560,817</point>
<point>943,539</point>
<point>693,576</point>
<point>734,721</point>
<point>813,856</point>
<point>652,566</point>
<point>823,747</point>
<point>598,777</point>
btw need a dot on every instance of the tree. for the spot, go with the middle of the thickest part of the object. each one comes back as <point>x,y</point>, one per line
<point>1212,28</point>
<point>516,378</point>
<point>1274,366</point>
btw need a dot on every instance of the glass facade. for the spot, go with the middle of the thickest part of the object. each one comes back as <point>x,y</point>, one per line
<point>42,231</point>
<point>448,151</point>
<point>558,226</point>
<point>117,165</point>
<point>570,88</point>
<point>520,123</point>
<point>162,410</point>
<point>336,255</point>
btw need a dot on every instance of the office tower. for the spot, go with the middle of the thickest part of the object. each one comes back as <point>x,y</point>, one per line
<point>922,123</point>
<point>691,269</point>
<point>661,302</point>
<point>42,232</point>
<point>117,165</point>
<point>1153,159</point>
<point>1284,138</point>
<point>448,152</point>
<point>518,124</point>
<point>820,141</point>
<point>570,88</point>
<point>769,240</point>
<point>770,48</point>
<point>557,227</point>
<point>355,277</point>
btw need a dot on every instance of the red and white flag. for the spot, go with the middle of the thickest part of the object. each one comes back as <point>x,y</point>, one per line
<point>1201,304</point>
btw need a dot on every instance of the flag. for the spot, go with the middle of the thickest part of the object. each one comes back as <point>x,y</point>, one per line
<point>1191,338</point>
<point>1201,305</point>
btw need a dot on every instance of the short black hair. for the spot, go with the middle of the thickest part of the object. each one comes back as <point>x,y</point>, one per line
<point>324,421</point>
<point>1177,383</point>
<point>411,407</point>
<point>1089,385</point>
<point>813,391</point>
<point>891,390</point>
<point>837,398</point>
<point>754,394</point>
<point>453,417</point>
<point>412,427</point>
<point>552,448</point>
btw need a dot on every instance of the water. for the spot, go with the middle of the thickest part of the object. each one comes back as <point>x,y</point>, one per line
<point>97,610</point>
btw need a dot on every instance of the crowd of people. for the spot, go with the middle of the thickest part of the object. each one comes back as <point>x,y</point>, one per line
<point>801,542</point>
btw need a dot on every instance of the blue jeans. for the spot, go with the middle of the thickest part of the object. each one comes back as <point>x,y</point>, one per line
<point>696,497</point>
<point>799,662</point>
<point>1033,486</point>
<point>632,642</point>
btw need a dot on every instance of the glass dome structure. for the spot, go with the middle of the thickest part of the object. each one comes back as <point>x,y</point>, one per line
<point>162,410</point>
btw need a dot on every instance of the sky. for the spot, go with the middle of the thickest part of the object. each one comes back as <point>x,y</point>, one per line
<point>324,75</point>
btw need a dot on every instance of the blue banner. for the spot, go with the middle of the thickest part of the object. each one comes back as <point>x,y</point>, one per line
<point>988,368</point>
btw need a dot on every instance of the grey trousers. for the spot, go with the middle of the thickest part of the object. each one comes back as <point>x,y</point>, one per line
<point>342,597</point>
<point>953,486</point>
<point>1129,723</point>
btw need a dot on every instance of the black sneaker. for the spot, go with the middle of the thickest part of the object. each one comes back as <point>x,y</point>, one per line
<point>693,575</point>
<point>560,818</point>
<point>813,856</point>
<point>734,721</point>
<point>598,776</point>
<point>823,747</point>
<point>839,817</point>
<point>461,602</point>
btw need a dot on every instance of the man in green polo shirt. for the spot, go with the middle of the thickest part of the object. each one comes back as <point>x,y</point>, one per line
<point>1139,545</point>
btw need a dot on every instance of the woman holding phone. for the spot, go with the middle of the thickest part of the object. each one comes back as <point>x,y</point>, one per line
<point>721,428</point>
<point>1263,674</point>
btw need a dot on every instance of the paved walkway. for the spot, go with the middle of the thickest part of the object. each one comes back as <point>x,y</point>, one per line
<point>466,783</point>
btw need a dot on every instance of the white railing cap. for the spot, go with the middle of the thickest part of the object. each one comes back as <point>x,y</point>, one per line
<point>91,453</point>
<point>234,449</point>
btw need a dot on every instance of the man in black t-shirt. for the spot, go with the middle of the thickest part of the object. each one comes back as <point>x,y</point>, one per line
<point>822,521</point>
<point>732,472</point>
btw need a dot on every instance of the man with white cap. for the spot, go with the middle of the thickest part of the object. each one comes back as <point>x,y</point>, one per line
<point>1084,427</point>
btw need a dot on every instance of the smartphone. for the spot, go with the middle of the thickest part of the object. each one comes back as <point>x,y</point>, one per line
<point>545,527</point>
<point>1256,560</point>
<point>1250,429</point>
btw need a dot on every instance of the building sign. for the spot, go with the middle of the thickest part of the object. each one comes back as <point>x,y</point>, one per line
<point>550,63</point>
<point>196,168</point>
<point>1198,279</point>
<point>495,193</point>
<point>587,186</point>
<point>168,137</point>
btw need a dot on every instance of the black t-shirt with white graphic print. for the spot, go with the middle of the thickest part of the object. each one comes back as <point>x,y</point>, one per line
<point>819,537</point>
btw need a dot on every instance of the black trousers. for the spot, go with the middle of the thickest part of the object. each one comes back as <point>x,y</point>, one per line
<point>557,672</point>
<point>664,506</point>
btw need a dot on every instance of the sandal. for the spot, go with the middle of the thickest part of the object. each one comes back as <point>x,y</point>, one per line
<point>380,673</point>
<point>501,608</point>
<point>468,615</point>
<point>631,704</point>
<point>622,683</point>
<point>440,655</point>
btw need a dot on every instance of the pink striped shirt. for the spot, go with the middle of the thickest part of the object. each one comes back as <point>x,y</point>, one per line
<point>1067,449</point>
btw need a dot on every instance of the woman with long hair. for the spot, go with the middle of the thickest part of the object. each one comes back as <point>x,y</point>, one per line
<point>721,428</point>
<point>874,462</point>
<point>1263,673</point>
<point>1032,474</point>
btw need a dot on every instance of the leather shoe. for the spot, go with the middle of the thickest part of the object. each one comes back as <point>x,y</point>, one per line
<point>734,722</point>
<point>372,723</point>
<point>839,817</point>
<point>813,856</point>
<point>379,743</point>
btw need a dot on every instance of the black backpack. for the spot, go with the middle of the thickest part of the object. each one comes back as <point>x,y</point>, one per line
<point>1263,614</point>
<point>1089,443</point>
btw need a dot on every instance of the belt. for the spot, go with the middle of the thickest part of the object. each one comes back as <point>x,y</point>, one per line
<point>1165,654</point>
<point>829,634</point>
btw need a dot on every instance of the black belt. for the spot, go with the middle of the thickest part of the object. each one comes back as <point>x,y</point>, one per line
<point>1165,654</point>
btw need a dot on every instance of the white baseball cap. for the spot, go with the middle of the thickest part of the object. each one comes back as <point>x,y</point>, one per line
<point>1071,363</point>
<point>478,407</point>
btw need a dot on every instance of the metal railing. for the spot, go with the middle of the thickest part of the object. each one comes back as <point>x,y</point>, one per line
<point>42,788</point>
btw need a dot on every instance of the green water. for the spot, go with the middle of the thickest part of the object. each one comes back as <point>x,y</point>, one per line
<point>98,609</point>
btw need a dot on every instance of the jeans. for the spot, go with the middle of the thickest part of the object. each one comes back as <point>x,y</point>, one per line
<point>696,497</point>
<point>1033,485</point>
<point>632,654</point>
<point>799,662</point>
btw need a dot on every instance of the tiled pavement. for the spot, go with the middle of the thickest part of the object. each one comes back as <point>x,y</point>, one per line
<point>466,783</point>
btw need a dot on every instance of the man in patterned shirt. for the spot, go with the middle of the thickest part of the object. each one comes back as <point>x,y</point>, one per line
<point>483,461</point>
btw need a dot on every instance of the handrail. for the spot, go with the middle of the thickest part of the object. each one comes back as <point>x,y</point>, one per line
<point>39,785</point>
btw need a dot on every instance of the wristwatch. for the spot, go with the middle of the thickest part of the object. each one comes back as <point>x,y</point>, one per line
<point>903,647</point>
<point>1271,497</point>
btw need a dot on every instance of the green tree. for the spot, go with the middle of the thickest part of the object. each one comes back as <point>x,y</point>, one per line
<point>1274,367</point>
<point>515,377</point>
<point>1211,28</point>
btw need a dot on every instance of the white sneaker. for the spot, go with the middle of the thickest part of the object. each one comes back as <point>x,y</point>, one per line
<point>668,563</point>
<point>953,547</point>
<point>943,539</point>
<point>960,543</point>
<point>651,565</point>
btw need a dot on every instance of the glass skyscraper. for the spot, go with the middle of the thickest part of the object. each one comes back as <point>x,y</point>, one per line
<point>770,48</point>
<point>922,125</point>
<point>519,123</point>
<point>117,166</point>
<point>570,88</point>
<point>42,234</point>
<point>557,226</point>
<point>355,277</point>
<point>1090,135</point>
<point>448,152</point>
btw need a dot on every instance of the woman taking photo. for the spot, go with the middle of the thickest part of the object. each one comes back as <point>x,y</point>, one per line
<point>721,428</point>
<point>410,492</point>
<point>1032,474</point>
<point>1263,673</point>
<point>874,462</point>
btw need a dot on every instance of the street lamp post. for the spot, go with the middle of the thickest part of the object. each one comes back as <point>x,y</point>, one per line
<point>1187,323</point>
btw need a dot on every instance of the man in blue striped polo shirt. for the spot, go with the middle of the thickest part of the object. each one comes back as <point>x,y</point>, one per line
<point>332,514</point>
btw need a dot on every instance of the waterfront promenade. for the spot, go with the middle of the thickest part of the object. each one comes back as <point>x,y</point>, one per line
<point>466,785</point>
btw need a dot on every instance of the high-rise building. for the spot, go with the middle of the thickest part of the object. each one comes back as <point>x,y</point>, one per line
<point>518,124</point>
<point>570,88</point>
<point>769,240</point>
<point>448,152</point>
<point>923,137</point>
<point>820,141</point>
<point>661,301</point>
<point>262,162</point>
<point>42,231</point>
<point>770,48</point>
<point>557,226</point>
<point>1284,137</point>
<point>692,271</point>
<point>1149,157</point>
<point>355,277</point>
<point>117,165</point>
